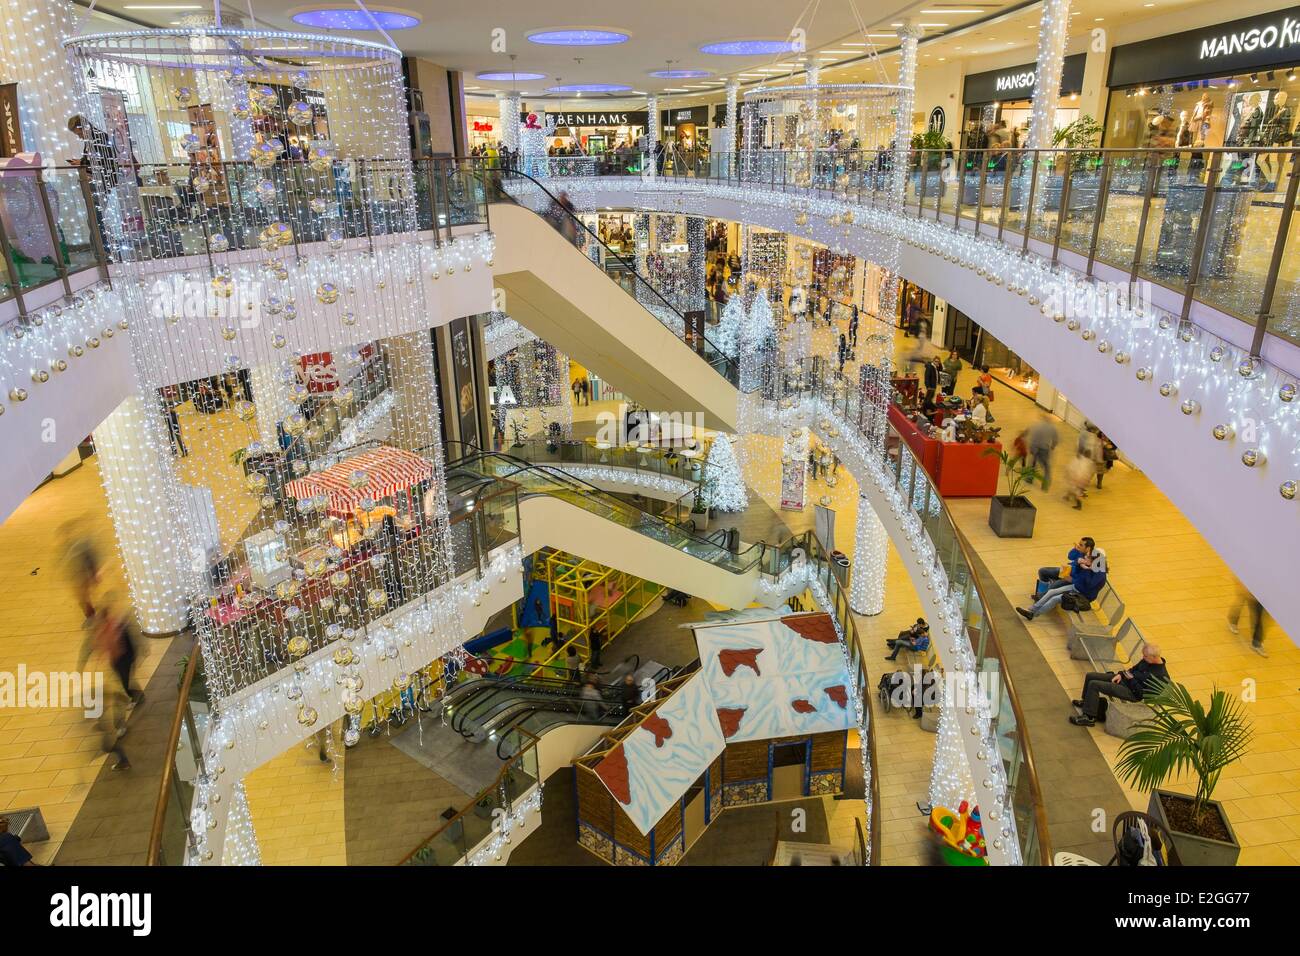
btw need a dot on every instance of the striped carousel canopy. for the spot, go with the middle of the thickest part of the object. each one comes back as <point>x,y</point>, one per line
<point>387,471</point>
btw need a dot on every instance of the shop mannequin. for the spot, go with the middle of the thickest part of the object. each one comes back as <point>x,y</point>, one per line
<point>1202,117</point>
<point>1185,136</point>
<point>1161,131</point>
<point>1277,132</point>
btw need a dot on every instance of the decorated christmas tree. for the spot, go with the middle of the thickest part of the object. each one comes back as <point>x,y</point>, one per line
<point>728,487</point>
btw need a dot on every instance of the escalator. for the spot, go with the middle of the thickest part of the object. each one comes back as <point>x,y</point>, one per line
<point>626,331</point>
<point>496,708</point>
<point>557,510</point>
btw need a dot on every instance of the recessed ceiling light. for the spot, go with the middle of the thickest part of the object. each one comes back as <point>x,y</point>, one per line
<point>680,74</point>
<point>935,25</point>
<point>577,37</point>
<point>505,76</point>
<point>589,88</point>
<point>162,6</point>
<point>749,47</point>
<point>939,13</point>
<point>355,19</point>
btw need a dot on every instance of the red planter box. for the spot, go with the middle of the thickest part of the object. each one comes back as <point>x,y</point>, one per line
<point>958,469</point>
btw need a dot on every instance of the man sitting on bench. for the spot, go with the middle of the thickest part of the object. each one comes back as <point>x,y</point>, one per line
<point>1133,684</point>
<point>1087,564</point>
<point>915,638</point>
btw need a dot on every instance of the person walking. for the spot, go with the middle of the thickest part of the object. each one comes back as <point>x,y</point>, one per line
<point>932,370</point>
<point>1248,605</point>
<point>1042,439</point>
<point>1078,473</point>
<point>108,636</point>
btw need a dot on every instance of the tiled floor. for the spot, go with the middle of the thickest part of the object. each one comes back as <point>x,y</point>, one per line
<point>51,757</point>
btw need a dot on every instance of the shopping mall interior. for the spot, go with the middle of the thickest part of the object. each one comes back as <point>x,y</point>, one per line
<point>425,429</point>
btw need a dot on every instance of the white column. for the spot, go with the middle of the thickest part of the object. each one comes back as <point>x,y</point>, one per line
<point>240,848</point>
<point>908,35</point>
<point>725,141</point>
<point>651,134</point>
<point>271,399</point>
<point>31,55</point>
<point>1052,34</point>
<point>135,464</point>
<point>870,551</point>
<point>508,110</point>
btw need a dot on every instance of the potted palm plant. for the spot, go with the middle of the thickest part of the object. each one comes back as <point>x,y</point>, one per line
<point>1182,734</point>
<point>1082,134</point>
<point>1012,515</point>
<point>700,506</point>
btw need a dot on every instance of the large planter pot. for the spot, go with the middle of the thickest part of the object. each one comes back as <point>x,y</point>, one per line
<point>701,519</point>
<point>1012,522</point>
<point>1194,850</point>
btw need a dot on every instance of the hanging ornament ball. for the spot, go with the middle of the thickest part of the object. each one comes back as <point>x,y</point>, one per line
<point>327,293</point>
<point>377,598</point>
<point>334,239</point>
<point>349,318</point>
<point>322,159</point>
<point>353,703</point>
<point>266,190</point>
<point>278,341</point>
<point>1287,392</point>
<point>1143,374</point>
<point>358,478</point>
<point>191,142</point>
<point>307,716</point>
<point>318,205</point>
<point>295,423</point>
<point>1217,353</point>
<point>351,736</point>
<point>298,646</point>
<point>264,155</point>
<point>1287,490</point>
<point>300,113</point>
<point>1223,432</point>
<point>201,182</point>
<point>1252,457</point>
<point>1167,388</point>
<point>1190,406</point>
<point>245,411</point>
<point>343,656</point>
<point>184,96</point>
<point>340,579</point>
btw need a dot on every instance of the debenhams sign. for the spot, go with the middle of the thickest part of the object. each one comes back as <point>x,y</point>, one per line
<point>1284,33</point>
<point>597,119</point>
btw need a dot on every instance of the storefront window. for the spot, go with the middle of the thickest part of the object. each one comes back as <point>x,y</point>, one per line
<point>1253,109</point>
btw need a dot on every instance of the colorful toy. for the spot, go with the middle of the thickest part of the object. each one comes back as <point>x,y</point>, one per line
<point>962,835</point>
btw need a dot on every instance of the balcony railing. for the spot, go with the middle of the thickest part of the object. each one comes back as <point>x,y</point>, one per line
<point>58,221</point>
<point>1214,226</point>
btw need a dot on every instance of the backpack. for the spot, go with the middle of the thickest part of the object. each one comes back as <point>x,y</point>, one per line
<point>1074,601</point>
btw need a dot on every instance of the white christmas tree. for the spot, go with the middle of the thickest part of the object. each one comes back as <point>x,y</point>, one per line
<point>723,470</point>
<point>727,335</point>
<point>950,779</point>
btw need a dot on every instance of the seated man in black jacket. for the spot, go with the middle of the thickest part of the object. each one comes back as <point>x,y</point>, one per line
<point>1132,684</point>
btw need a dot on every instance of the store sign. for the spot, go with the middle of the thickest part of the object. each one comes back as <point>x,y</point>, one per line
<point>938,119</point>
<point>699,115</point>
<point>11,132</point>
<point>1252,43</point>
<point>480,127</point>
<point>1017,82</point>
<point>613,118</point>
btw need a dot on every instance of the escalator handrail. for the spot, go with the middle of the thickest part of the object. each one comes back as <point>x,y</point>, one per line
<point>513,171</point>
<point>559,476</point>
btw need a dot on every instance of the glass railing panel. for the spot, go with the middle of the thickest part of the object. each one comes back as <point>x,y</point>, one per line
<point>1048,191</point>
<point>1084,194</point>
<point>34,254</point>
<point>1173,214</point>
<point>1122,216</point>
<point>1245,217</point>
<point>1018,176</point>
<point>968,175</point>
<point>73,224</point>
<point>1285,309</point>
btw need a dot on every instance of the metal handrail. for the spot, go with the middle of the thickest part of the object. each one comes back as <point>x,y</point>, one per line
<point>153,857</point>
<point>487,791</point>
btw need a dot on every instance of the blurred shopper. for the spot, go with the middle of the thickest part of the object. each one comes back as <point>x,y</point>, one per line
<point>1247,604</point>
<point>1042,439</point>
<point>12,851</point>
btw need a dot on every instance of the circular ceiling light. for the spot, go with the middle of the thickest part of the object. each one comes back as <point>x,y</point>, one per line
<point>577,37</point>
<point>499,76</point>
<point>353,19</point>
<point>681,74</point>
<point>588,88</point>
<point>749,47</point>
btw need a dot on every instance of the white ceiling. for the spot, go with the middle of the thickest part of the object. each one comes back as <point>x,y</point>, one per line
<point>460,36</point>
